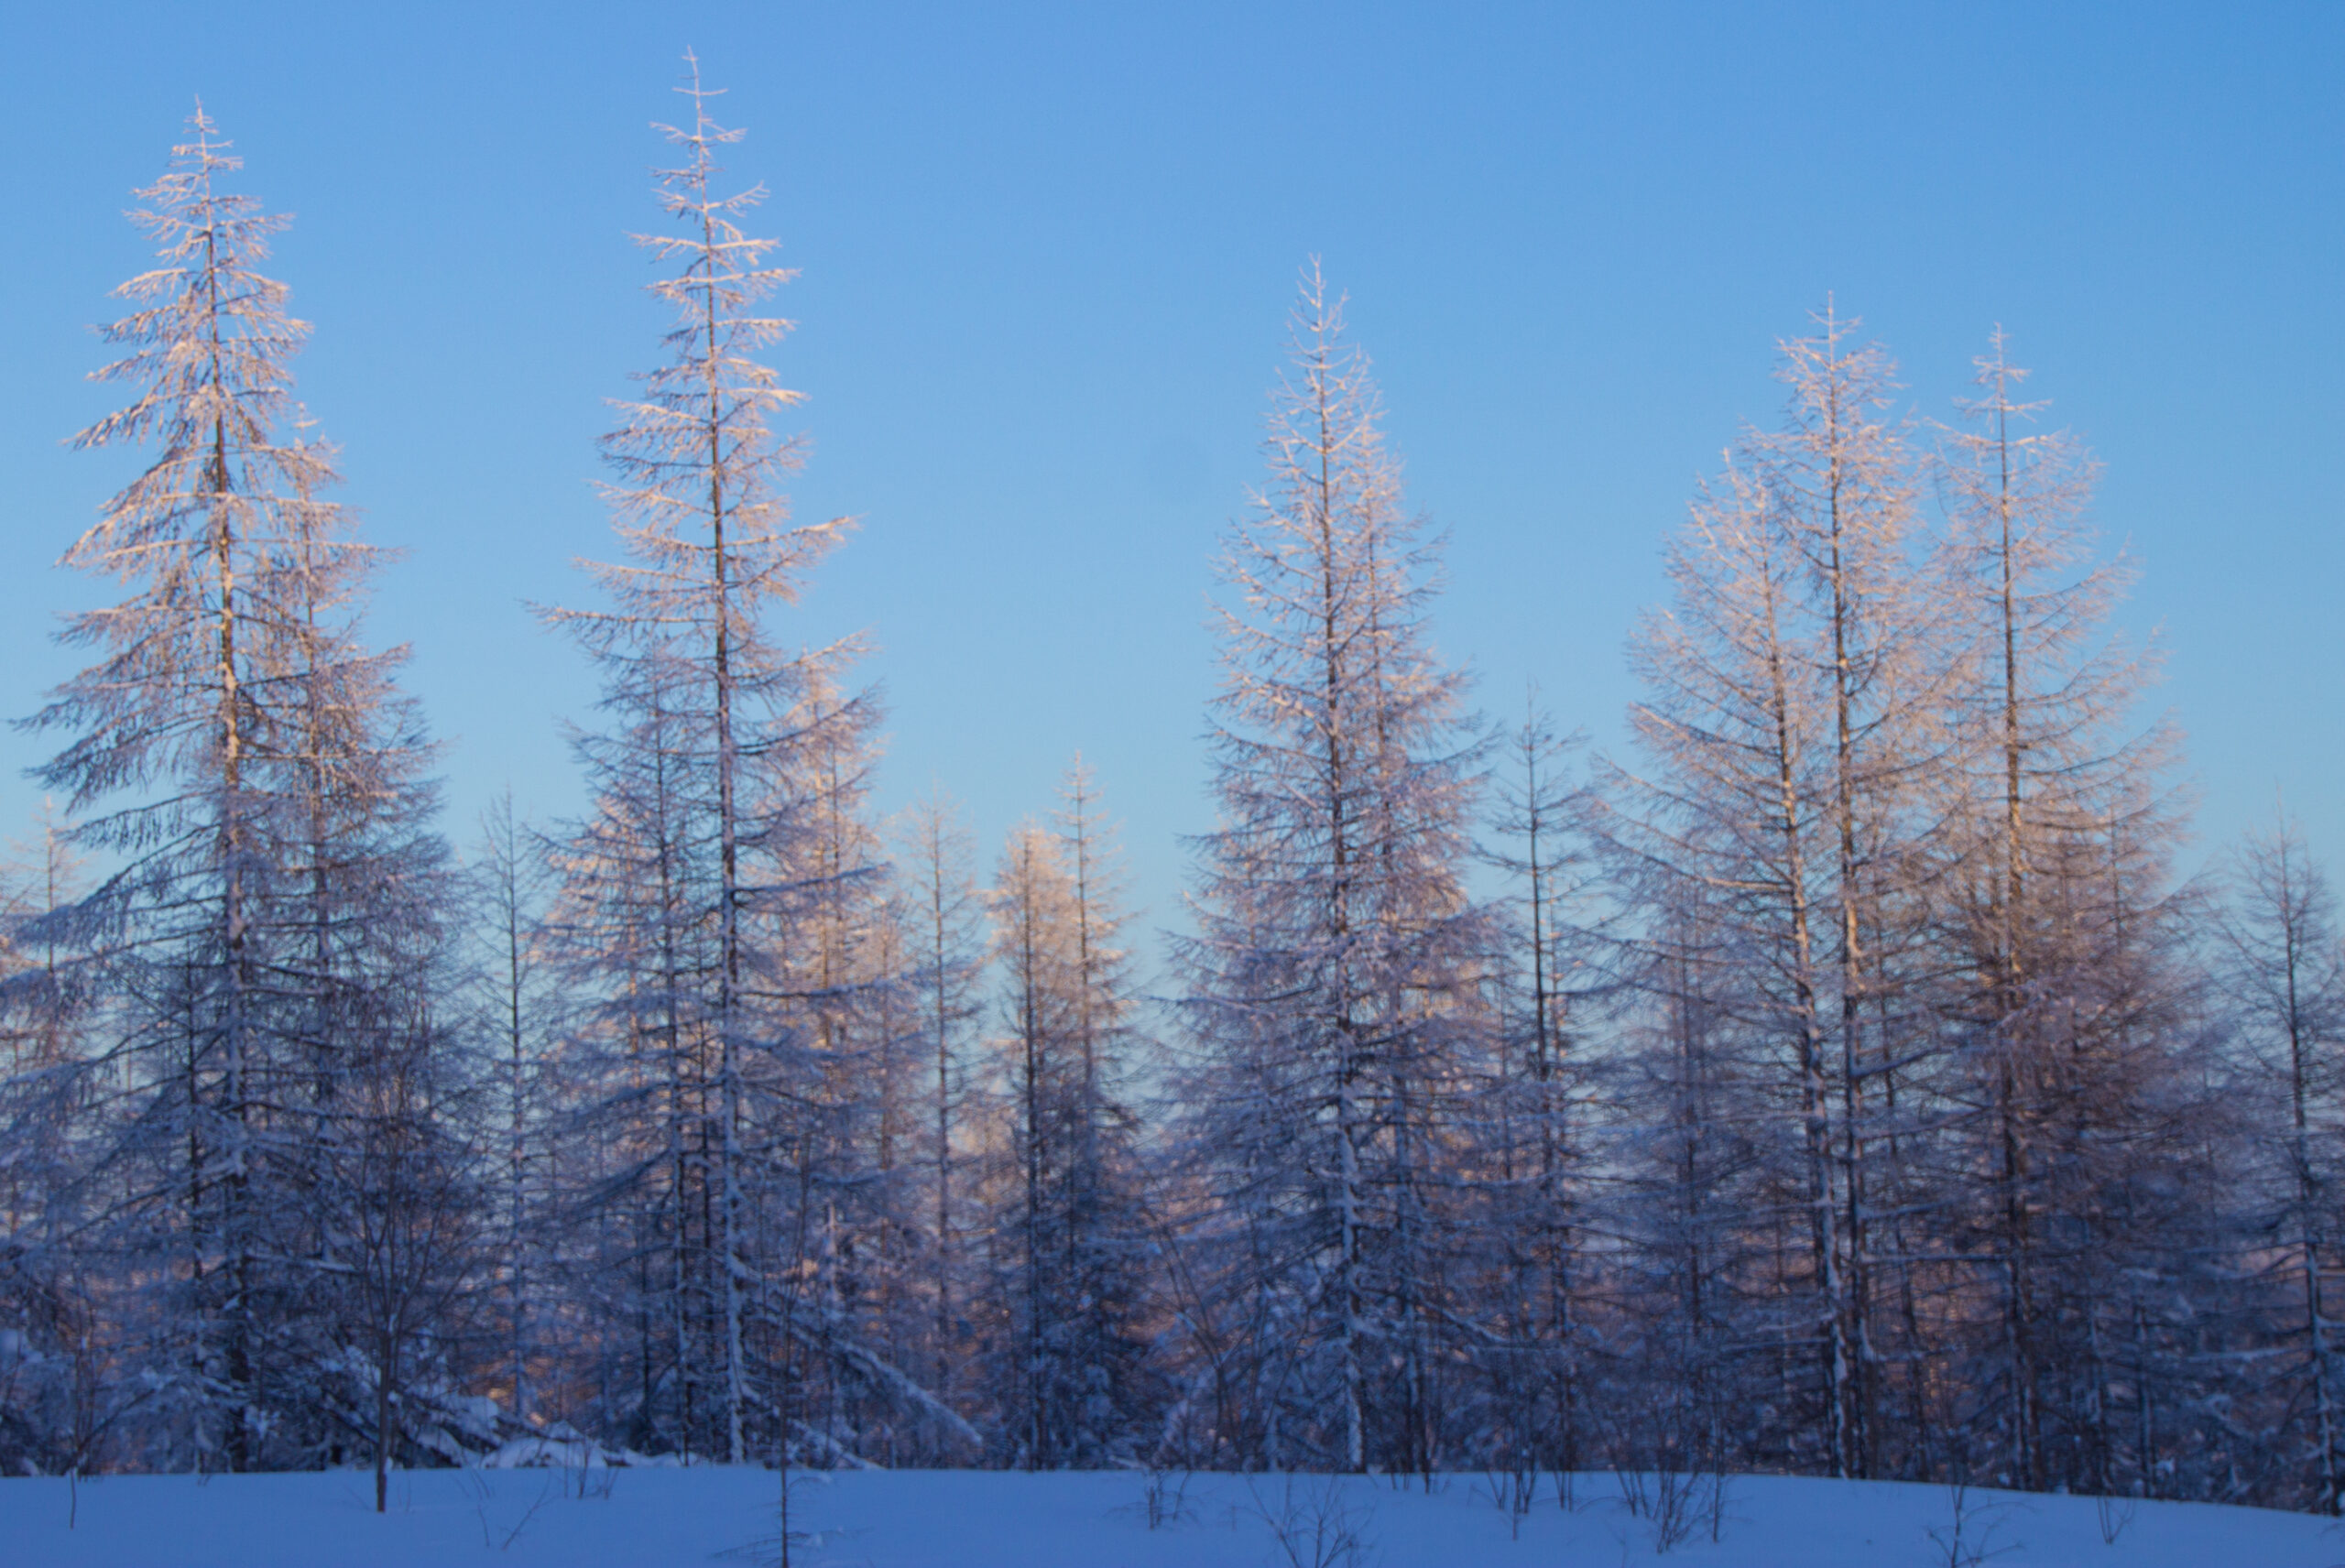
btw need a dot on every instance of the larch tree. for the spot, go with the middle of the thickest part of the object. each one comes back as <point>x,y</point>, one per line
<point>699,510</point>
<point>834,1118</point>
<point>1715,838</point>
<point>250,767</point>
<point>361,923</point>
<point>1837,478</point>
<point>944,926</point>
<point>2287,972</point>
<point>1793,692</point>
<point>59,1392</point>
<point>408,1240</point>
<point>170,709</point>
<point>1107,1337</point>
<point>1072,1289</point>
<point>1700,1198</point>
<point>518,1005</point>
<point>1336,994</point>
<point>1538,1151</point>
<point>2058,933</point>
<point>626,933</point>
<point>728,792</point>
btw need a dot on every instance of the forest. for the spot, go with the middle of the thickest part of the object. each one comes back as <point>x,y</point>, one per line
<point>1845,1079</point>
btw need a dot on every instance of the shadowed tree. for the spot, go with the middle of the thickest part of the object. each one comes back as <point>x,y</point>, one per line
<point>2287,975</point>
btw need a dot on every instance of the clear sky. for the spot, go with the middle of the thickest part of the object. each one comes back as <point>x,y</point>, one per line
<point>1046,252</point>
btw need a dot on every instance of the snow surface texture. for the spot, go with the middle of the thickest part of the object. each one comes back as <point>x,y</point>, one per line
<point>908,1519</point>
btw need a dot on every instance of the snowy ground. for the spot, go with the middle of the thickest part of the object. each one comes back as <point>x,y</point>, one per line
<point>967,1519</point>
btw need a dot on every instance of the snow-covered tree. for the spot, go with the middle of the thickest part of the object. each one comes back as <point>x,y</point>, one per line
<point>1793,693</point>
<point>57,1398</point>
<point>943,924</point>
<point>723,900</point>
<point>250,768</point>
<point>839,1128</point>
<point>2287,971</point>
<point>634,1076</point>
<point>1070,1369</point>
<point>1708,1224</point>
<point>408,1238</point>
<point>518,1010</point>
<point>2059,940</point>
<point>1337,967</point>
<point>1536,1159</point>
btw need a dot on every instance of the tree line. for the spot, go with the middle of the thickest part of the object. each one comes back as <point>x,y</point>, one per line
<point>1842,1081</point>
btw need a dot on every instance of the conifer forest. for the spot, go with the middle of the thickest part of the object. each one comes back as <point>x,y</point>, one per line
<point>1843,1078</point>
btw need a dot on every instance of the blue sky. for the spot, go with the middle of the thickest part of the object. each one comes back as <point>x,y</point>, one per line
<point>1046,252</point>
